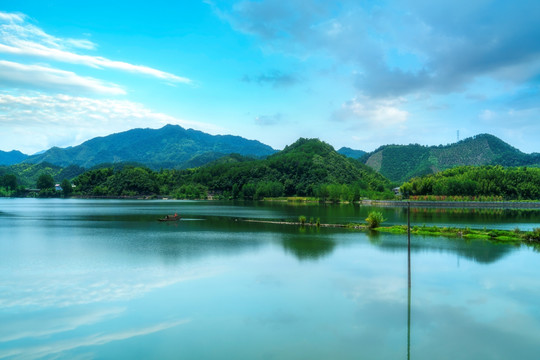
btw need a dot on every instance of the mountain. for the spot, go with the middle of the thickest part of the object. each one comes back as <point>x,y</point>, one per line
<point>301,169</point>
<point>348,152</point>
<point>11,157</point>
<point>309,167</point>
<point>403,162</point>
<point>169,147</point>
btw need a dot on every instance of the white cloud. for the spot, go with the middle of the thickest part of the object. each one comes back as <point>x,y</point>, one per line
<point>17,37</point>
<point>487,115</point>
<point>374,113</point>
<point>11,17</point>
<point>37,122</point>
<point>42,77</point>
<point>404,47</point>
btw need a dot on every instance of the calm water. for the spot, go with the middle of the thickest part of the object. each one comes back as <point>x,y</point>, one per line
<point>82,279</point>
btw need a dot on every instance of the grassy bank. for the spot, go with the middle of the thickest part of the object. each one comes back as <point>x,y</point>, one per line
<point>508,236</point>
<point>467,233</point>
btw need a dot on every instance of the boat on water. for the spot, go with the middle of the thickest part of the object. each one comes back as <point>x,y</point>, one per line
<point>174,217</point>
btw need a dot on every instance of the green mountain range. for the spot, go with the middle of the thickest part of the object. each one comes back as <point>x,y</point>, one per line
<point>169,147</point>
<point>400,163</point>
<point>11,157</point>
<point>309,167</point>
<point>173,147</point>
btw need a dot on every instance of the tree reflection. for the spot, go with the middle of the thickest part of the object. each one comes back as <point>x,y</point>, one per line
<point>308,248</point>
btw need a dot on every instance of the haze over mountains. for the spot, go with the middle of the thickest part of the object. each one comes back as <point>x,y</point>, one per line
<point>175,147</point>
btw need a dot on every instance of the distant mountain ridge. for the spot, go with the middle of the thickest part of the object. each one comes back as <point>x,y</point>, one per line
<point>175,147</point>
<point>348,152</point>
<point>11,157</point>
<point>168,147</point>
<point>402,162</point>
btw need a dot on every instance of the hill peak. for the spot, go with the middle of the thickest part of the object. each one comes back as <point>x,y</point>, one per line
<point>402,162</point>
<point>171,146</point>
<point>311,146</point>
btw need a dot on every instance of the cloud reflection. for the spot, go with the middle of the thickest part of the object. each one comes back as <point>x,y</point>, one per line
<point>21,326</point>
<point>92,340</point>
<point>79,289</point>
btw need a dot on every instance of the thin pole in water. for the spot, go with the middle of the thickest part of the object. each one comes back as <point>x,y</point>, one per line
<point>409,240</point>
<point>409,279</point>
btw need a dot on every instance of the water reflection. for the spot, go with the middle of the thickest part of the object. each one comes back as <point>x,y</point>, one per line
<point>102,281</point>
<point>308,248</point>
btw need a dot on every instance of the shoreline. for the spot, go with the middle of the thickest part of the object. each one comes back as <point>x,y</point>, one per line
<point>455,204</point>
<point>526,204</point>
<point>499,236</point>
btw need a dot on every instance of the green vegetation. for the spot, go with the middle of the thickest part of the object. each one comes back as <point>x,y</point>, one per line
<point>169,147</point>
<point>66,187</point>
<point>12,157</point>
<point>302,220</point>
<point>307,168</point>
<point>45,184</point>
<point>478,183</point>
<point>403,162</point>
<point>508,236</point>
<point>9,186</point>
<point>467,233</point>
<point>27,174</point>
<point>374,219</point>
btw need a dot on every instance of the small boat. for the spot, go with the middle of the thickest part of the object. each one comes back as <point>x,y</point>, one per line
<point>174,217</point>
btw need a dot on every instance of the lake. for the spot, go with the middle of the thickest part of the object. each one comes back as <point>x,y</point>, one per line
<point>102,279</point>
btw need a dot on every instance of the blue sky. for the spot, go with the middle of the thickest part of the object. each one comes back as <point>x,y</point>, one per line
<point>352,73</point>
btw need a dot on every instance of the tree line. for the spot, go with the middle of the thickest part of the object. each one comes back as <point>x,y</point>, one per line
<point>306,168</point>
<point>511,183</point>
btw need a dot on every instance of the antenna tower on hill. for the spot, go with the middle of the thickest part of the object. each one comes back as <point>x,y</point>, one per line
<point>458,136</point>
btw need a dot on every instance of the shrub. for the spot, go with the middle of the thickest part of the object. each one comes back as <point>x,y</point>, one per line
<point>374,219</point>
<point>302,219</point>
<point>534,235</point>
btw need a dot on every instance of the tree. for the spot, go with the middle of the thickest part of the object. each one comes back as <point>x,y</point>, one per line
<point>45,181</point>
<point>66,187</point>
<point>9,181</point>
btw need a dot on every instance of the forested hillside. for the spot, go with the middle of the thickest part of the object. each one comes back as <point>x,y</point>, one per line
<point>403,162</point>
<point>169,147</point>
<point>11,157</point>
<point>27,174</point>
<point>306,168</point>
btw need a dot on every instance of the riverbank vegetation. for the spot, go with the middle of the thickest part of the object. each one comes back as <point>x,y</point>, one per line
<point>467,233</point>
<point>374,220</point>
<point>477,183</point>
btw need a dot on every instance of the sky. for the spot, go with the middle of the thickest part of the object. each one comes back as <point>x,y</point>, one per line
<point>359,74</point>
